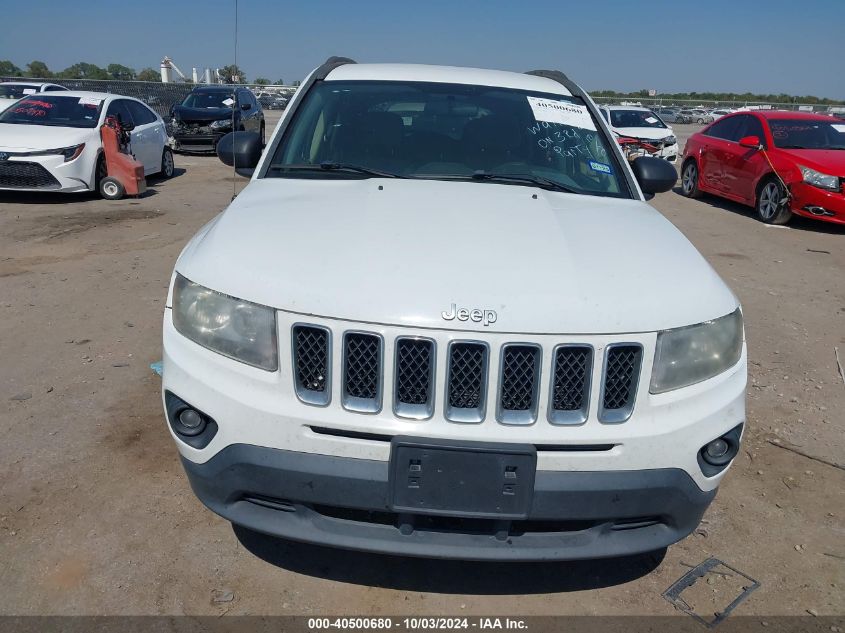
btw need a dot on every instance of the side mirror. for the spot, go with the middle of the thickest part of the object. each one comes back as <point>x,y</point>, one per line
<point>241,150</point>
<point>246,106</point>
<point>655,175</point>
<point>750,141</point>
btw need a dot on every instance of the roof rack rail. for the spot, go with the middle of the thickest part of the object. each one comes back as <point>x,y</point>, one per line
<point>556,75</point>
<point>330,64</point>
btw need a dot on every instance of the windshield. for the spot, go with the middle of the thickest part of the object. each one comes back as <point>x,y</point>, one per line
<point>16,91</point>
<point>48,109</point>
<point>635,118</point>
<point>208,100</point>
<point>447,131</point>
<point>807,134</point>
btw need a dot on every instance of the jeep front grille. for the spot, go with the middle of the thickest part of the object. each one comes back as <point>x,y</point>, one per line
<point>311,364</point>
<point>466,381</point>
<point>621,378</point>
<point>519,385</point>
<point>414,378</point>
<point>415,387</point>
<point>362,363</point>
<point>570,394</point>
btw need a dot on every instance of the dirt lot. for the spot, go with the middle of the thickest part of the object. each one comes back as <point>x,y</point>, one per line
<point>96,516</point>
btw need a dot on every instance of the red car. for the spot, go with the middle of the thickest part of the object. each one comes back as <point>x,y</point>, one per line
<point>780,163</point>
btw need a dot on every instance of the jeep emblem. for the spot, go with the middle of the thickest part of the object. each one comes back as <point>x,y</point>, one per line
<point>476,315</point>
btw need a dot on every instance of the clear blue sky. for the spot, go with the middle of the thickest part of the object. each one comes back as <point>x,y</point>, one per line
<point>764,46</point>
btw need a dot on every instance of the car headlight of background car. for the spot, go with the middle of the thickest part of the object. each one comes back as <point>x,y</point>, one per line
<point>818,179</point>
<point>241,330</point>
<point>688,355</point>
<point>222,124</point>
<point>670,140</point>
<point>69,153</point>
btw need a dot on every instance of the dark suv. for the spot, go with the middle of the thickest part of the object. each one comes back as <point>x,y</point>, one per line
<point>209,112</point>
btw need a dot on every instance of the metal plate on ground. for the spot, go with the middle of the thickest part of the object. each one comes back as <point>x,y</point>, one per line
<point>464,479</point>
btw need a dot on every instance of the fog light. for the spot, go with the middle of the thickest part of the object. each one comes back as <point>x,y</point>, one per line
<point>191,420</point>
<point>716,449</point>
<point>715,456</point>
<point>191,425</point>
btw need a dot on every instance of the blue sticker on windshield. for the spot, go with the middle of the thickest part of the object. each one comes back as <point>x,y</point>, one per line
<point>605,169</point>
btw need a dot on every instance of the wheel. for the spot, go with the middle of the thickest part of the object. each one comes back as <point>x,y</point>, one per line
<point>167,164</point>
<point>700,121</point>
<point>100,172</point>
<point>111,189</point>
<point>772,202</point>
<point>689,180</point>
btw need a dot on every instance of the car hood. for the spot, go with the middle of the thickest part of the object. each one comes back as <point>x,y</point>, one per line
<point>828,161</point>
<point>653,133</point>
<point>21,137</point>
<point>188,115</point>
<point>401,252</point>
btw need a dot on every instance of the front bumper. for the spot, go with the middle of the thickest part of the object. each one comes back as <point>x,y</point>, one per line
<point>812,202</point>
<point>196,142</point>
<point>344,502</point>
<point>48,172</point>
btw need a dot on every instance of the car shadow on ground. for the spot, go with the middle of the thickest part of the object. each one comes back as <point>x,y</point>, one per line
<point>445,576</point>
<point>797,222</point>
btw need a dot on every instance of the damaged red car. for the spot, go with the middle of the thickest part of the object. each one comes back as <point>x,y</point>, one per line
<point>780,163</point>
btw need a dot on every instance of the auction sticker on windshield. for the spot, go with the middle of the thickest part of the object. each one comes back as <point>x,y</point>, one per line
<point>89,101</point>
<point>564,112</point>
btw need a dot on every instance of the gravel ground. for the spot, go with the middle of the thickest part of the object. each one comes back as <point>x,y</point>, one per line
<point>96,516</point>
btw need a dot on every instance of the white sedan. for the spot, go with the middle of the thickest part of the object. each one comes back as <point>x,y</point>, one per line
<point>644,125</point>
<point>51,141</point>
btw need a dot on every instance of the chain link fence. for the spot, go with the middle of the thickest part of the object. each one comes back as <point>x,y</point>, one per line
<point>161,97</point>
<point>653,102</point>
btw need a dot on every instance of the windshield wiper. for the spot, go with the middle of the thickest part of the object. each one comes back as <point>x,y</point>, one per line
<point>528,179</point>
<point>336,167</point>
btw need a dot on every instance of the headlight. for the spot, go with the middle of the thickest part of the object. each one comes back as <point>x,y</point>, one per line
<point>235,328</point>
<point>221,124</point>
<point>688,355</point>
<point>818,179</point>
<point>670,140</point>
<point>69,153</point>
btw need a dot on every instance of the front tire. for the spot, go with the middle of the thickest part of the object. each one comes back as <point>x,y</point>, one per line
<point>772,202</point>
<point>111,188</point>
<point>168,166</point>
<point>689,180</point>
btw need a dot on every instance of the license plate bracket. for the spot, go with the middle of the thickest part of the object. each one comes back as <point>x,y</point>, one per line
<point>462,479</point>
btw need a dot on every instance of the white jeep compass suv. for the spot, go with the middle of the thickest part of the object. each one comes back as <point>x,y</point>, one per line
<point>441,320</point>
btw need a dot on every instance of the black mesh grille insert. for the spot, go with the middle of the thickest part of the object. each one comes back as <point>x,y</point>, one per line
<point>621,374</point>
<point>571,373</point>
<point>362,369</point>
<point>26,176</point>
<point>519,373</point>
<point>413,370</point>
<point>311,357</point>
<point>467,362</point>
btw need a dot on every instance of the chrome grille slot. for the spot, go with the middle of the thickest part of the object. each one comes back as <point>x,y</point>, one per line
<point>362,366</point>
<point>570,393</point>
<point>312,364</point>
<point>413,367</point>
<point>466,381</point>
<point>519,383</point>
<point>621,377</point>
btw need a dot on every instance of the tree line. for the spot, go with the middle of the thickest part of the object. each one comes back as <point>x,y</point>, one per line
<point>83,70</point>
<point>705,97</point>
